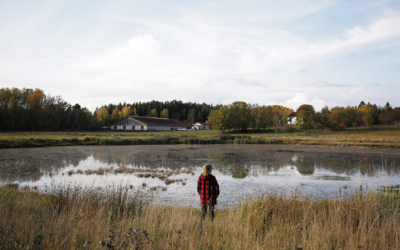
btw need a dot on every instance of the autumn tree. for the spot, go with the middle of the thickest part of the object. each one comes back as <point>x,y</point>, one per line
<point>369,116</point>
<point>318,121</point>
<point>126,112</point>
<point>351,117</point>
<point>153,113</point>
<point>267,117</point>
<point>303,120</point>
<point>306,107</point>
<point>134,112</point>
<point>337,117</point>
<point>115,115</point>
<point>164,113</point>
<point>102,116</point>
<point>220,119</point>
<point>240,114</point>
<point>326,118</point>
<point>35,99</point>
<point>214,120</point>
<point>283,111</point>
<point>394,114</point>
<point>254,116</point>
<point>277,116</point>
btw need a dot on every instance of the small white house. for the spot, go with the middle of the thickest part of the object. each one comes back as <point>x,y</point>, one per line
<point>292,118</point>
<point>201,126</point>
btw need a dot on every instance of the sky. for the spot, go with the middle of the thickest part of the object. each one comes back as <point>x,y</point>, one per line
<point>286,52</point>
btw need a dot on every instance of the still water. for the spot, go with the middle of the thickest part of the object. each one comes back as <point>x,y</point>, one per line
<point>241,170</point>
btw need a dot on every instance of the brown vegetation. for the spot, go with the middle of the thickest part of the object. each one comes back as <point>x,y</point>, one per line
<point>126,219</point>
<point>144,172</point>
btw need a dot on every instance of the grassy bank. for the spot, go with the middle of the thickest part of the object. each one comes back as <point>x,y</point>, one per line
<point>78,219</point>
<point>382,136</point>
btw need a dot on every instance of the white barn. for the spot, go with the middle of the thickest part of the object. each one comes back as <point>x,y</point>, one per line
<point>201,126</point>
<point>148,123</point>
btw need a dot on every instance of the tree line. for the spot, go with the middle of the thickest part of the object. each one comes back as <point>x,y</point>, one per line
<point>188,112</point>
<point>242,116</point>
<point>338,118</point>
<point>32,109</point>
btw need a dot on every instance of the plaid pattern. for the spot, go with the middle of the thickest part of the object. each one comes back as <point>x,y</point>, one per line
<point>208,189</point>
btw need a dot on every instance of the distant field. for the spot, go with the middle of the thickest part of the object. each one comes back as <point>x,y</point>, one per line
<point>379,136</point>
<point>101,134</point>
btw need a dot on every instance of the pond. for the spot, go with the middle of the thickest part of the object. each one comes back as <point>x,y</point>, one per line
<point>170,172</point>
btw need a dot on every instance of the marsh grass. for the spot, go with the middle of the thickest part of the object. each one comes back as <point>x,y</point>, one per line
<point>381,136</point>
<point>76,218</point>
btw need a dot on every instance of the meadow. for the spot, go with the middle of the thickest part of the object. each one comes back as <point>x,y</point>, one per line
<point>377,136</point>
<point>75,218</point>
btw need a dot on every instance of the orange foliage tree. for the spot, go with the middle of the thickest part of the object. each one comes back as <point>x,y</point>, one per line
<point>153,113</point>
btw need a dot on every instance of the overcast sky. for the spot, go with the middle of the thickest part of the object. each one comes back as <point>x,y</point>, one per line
<point>286,52</point>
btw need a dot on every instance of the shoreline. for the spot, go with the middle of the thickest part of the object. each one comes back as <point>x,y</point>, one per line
<point>237,140</point>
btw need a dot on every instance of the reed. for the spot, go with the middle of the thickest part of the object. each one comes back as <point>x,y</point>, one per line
<point>125,218</point>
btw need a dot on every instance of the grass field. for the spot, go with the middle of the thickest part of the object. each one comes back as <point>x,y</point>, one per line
<point>379,136</point>
<point>81,219</point>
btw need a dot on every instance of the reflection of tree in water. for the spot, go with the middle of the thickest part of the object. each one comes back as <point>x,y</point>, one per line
<point>346,163</point>
<point>148,159</point>
<point>240,173</point>
<point>249,163</point>
<point>29,164</point>
<point>305,165</point>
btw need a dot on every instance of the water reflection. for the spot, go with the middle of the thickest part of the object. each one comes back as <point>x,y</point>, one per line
<point>252,166</point>
<point>238,162</point>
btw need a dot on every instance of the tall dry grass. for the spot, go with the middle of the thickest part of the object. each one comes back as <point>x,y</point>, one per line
<point>125,219</point>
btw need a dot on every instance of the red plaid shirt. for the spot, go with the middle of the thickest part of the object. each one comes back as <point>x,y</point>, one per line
<point>208,189</point>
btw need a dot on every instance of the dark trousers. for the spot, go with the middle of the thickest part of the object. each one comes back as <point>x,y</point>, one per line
<point>204,211</point>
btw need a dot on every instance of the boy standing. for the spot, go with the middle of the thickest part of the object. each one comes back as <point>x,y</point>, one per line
<point>208,189</point>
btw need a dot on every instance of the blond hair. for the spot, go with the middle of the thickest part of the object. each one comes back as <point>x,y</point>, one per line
<point>206,169</point>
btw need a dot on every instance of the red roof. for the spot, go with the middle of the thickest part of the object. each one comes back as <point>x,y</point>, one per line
<point>150,121</point>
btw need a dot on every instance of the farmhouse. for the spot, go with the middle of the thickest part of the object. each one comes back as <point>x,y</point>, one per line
<point>149,123</point>
<point>201,126</point>
<point>292,118</point>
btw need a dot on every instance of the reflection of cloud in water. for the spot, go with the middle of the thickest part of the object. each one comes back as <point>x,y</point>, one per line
<point>252,168</point>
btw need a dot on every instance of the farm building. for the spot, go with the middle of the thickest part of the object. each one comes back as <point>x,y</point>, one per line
<point>201,126</point>
<point>149,123</point>
<point>292,118</point>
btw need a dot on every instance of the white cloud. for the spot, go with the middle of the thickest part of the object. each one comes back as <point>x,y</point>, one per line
<point>380,30</point>
<point>138,49</point>
<point>201,51</point>
<point>213,53</point>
